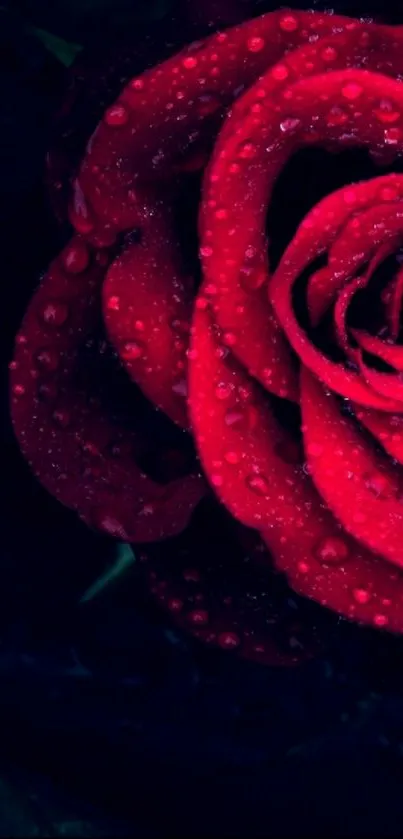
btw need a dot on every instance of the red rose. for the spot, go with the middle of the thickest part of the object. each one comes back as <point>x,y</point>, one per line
<point>327,502</point>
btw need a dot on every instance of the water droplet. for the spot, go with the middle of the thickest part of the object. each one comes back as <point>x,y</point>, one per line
<point>289,124</point>
<point>132,351</point>
<point>223,391</point>
<point>18,390</point>
<point>379,485</point>
<point>54,313</point>
<point>247,150</point>
<point>113,303</point>
<point>351,91</point>
<point>232,458</point>
<point>381,620</point>
<point>288,23</point>
<point>206,251</point>
<point>190,62</point>
<point>137,84</point>
<point>361,596</point>
<point>392,136</point>
<point>111,526</point>
<point>332,550</point>
<point>387,193</point>
<point>76,257</point>
<point>47,359</point>
<point>280,72</point>
<point>217,480</point>
<point>199,617</point>
<point>258,484</point>
<point>336,116</point>
<point>255,44</point>
<point>61,418</point>
<point>329,53</point>
<point>228,640</point>
<point>386,112</point>
<point>229,339</point>
<point>175,604</point>
<point>116,115</point>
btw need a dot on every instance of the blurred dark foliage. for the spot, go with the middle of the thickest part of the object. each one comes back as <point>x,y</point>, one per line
<point>142,731</point>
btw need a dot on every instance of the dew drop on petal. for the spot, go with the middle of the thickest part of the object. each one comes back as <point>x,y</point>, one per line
<point>392,136</point>
<point>199,617</point>
<point>280,72</point>
<point>223,391</point>
<point>232,458</point>
<point>18,390</point>
<point>288,23</point>
<point>255,44</point>
<point>54,313</point>
<point>190,62</point>
<point>329,53</point>
<point>258,484</point>
<point>175,604</point>
<point>361,596</point>
<point>381,620</point>
<point>76,258</point>
<point>131,351</point>
<point>113,303</point>
<point>336,116</point>
<point>379,485</point>
<point>110,525</point>
<point>386,112</point>
<point>289,124</point>
<point>61,418</point>
<point>351,91</point>
<point>47,359</point>
<point>332,550</point>
<point>116,115</point>
<point>228,640</point>
<point>247,150</point>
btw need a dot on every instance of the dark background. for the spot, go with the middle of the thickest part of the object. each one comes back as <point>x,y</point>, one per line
<point>110,719</point>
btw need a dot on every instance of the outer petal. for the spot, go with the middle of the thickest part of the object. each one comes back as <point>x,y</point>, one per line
<point>360,486</point>
<point>84,458</point>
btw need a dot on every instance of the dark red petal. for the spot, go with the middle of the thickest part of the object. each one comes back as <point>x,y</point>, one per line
<point>394,305</point>
<point>151,121</point>
<point>242,450</point>
<point>65,436</point>
<point>231,598</point>
<point>360,486</point>
<point>391,354</point>
<point>147,311</point>
<point>386,428</point>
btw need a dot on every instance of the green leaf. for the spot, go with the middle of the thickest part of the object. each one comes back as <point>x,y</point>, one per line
<point>123,560</point>
<point>64,51</point>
